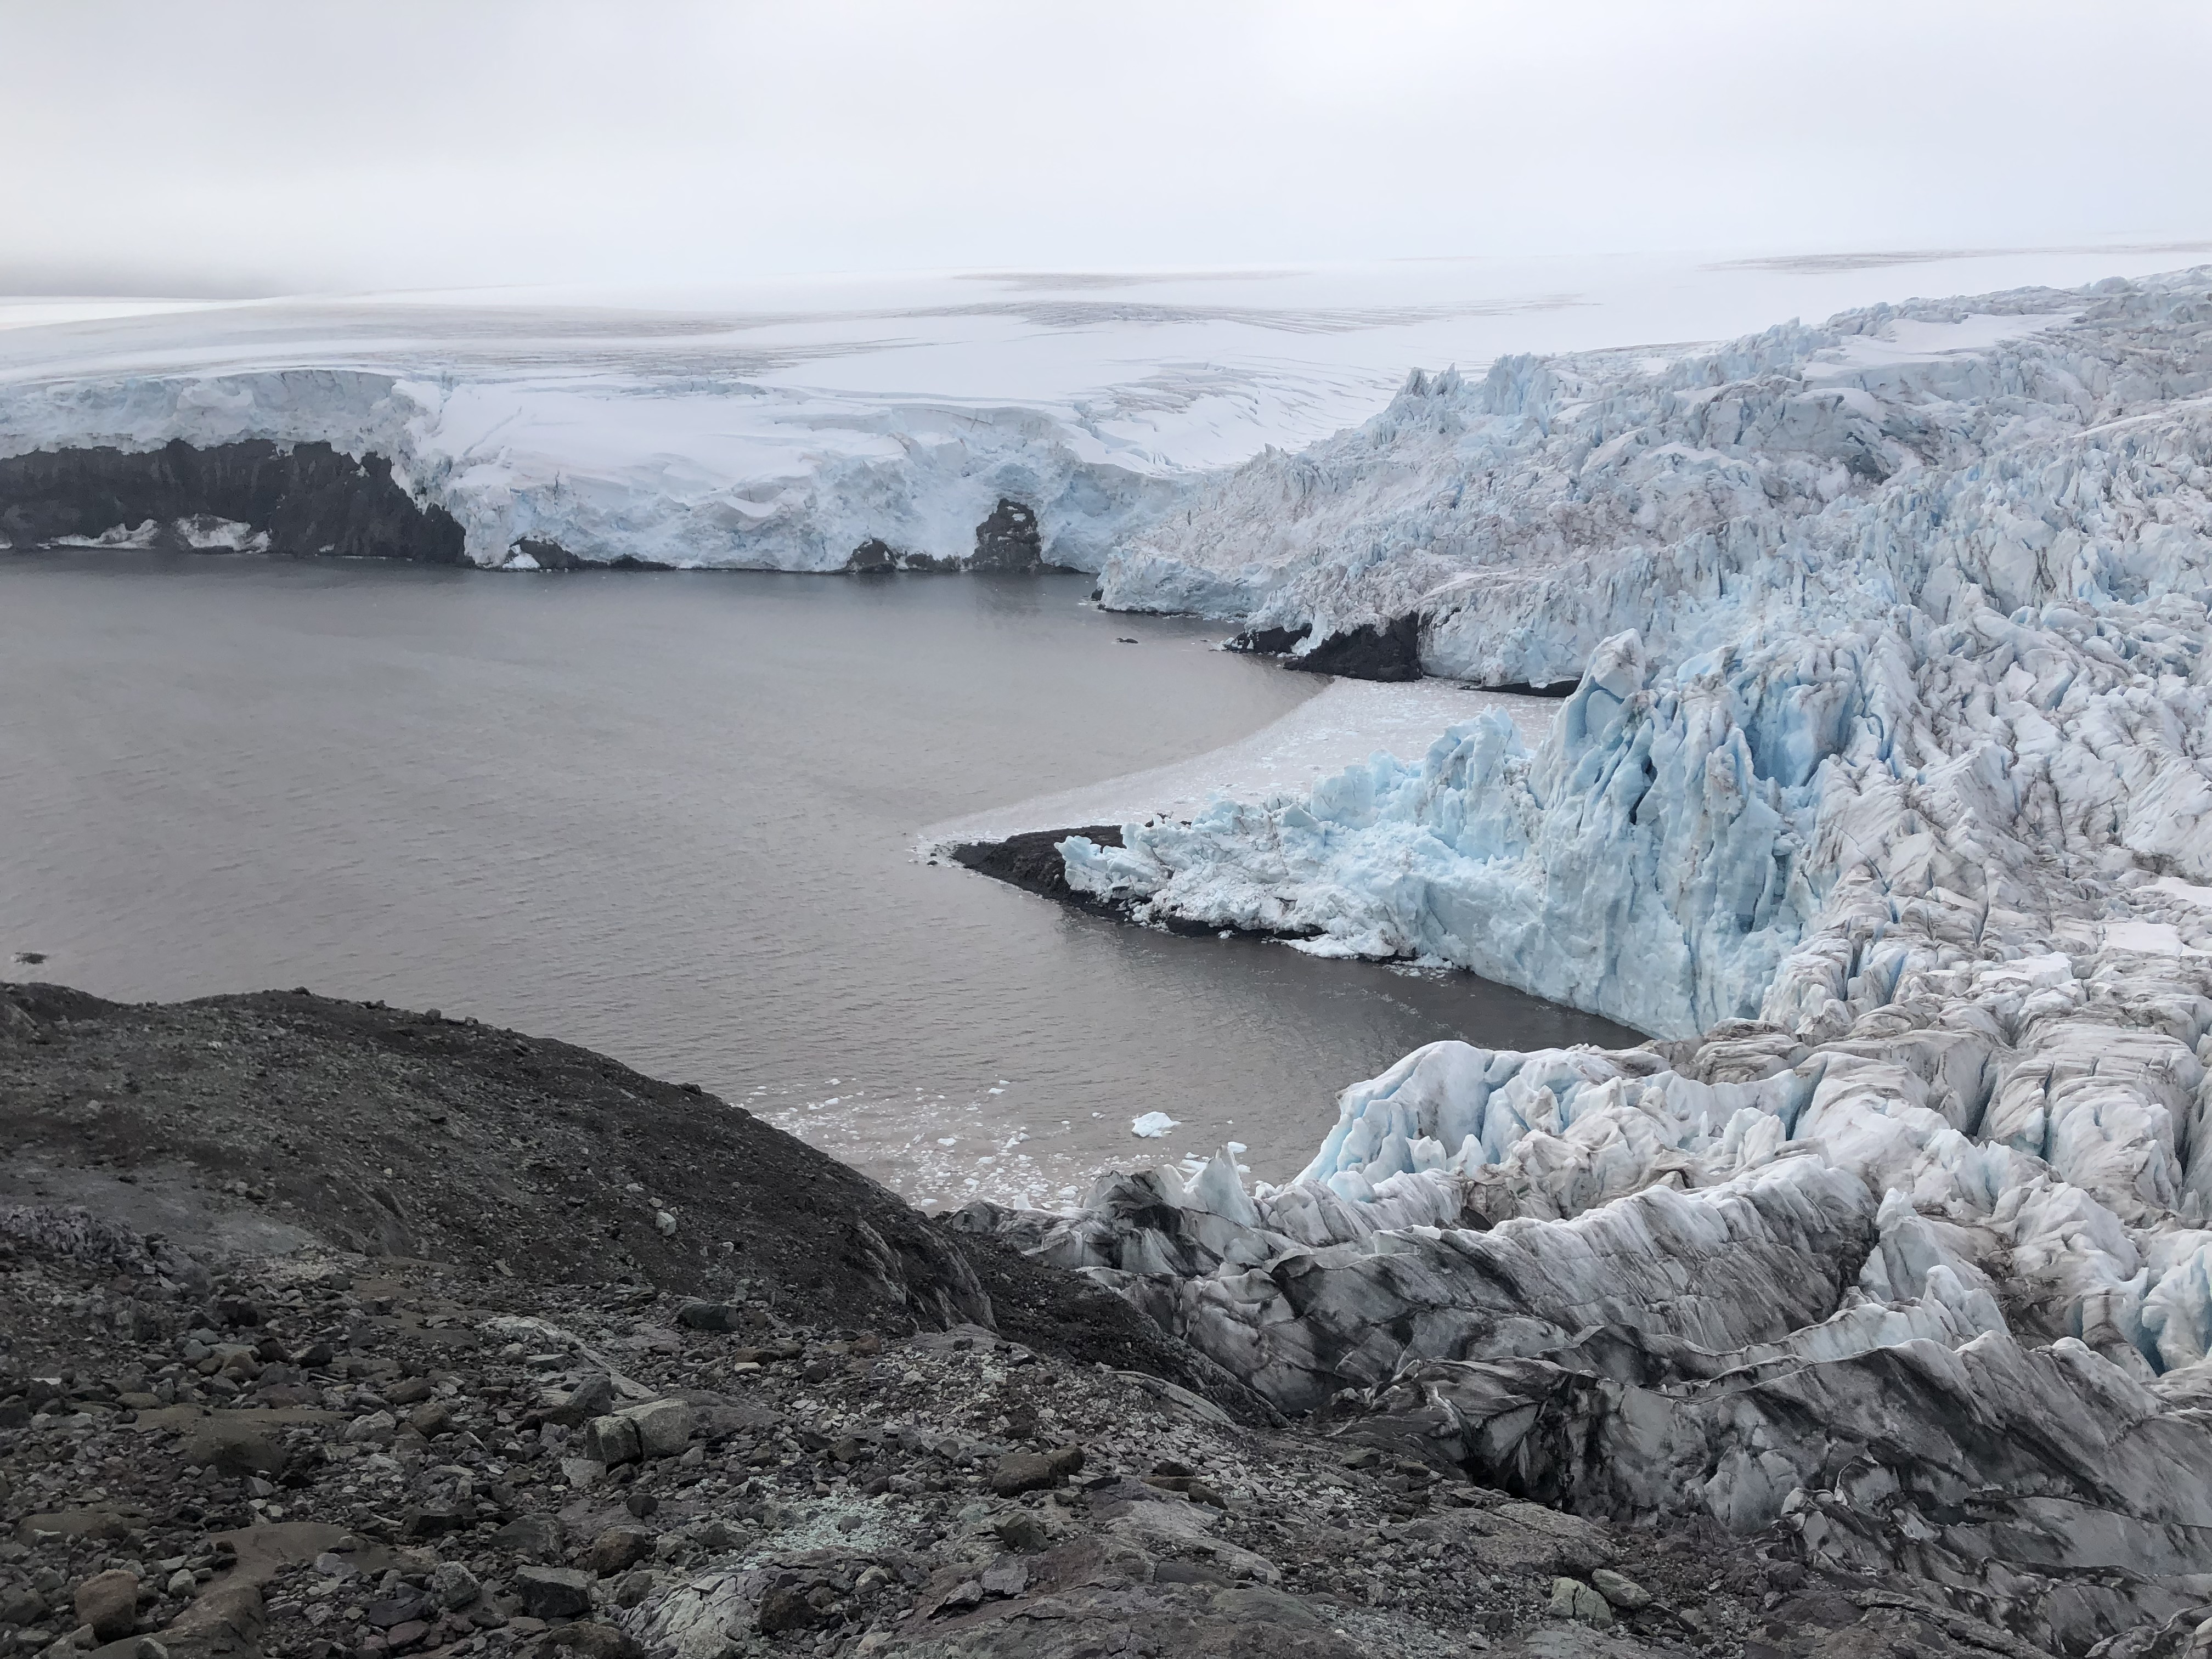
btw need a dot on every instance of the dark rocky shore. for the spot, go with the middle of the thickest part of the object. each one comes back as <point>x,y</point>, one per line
<point>306,498</point>
<point>1032,860</point>
<point>309,500</point>
<point>341,1331</point>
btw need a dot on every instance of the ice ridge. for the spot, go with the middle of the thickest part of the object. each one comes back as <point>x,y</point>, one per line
<point>2007,450</point>
<point>1884,801</point>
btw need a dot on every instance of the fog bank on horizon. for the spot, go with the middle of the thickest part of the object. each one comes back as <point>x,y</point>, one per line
<point>241,147</point>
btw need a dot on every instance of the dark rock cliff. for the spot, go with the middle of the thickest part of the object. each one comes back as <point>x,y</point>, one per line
<point>309,498</point>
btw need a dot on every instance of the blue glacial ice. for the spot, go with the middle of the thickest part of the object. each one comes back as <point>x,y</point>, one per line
<point>1884,803</point>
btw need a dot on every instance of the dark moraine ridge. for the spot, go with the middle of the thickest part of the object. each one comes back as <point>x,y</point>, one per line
<point>1373,651</point>
<point>525,1426</point>
<point>309,498</point>
<point>407,1135</point>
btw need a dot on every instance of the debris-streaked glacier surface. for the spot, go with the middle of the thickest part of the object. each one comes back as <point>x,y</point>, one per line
<point>1884,801</point>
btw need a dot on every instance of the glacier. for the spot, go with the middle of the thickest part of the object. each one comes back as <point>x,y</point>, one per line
<point>1880,802</point>
<point>834,422</point>
<point>1883,802</point>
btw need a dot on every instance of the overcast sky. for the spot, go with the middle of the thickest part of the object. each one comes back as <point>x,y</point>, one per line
<point>321,145</point>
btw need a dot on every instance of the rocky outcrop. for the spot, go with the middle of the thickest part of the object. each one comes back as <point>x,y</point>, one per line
<point>291,499</point>
<point>1007,543</point>
<point>1008,539</point>
<point>1372,651</point>
<point>1032,860</point>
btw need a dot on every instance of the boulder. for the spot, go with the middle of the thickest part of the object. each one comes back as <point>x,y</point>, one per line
<point>1573,1599</point>
<point>404,1605</point>
<point>1619,1588</point>
<point>612,1440</point>
<point>553,1592</point>
<point>1020,1472</point>
<point>232,1448</point>
<point>108,1601</point>
<point>618,1549</point>
<point>373,1429</point>
<point>454,1585</point>
<point>664,1427</point>
<point>709,1315</point>
<point>594,1397</point>
<point>786,1607</point>
<point>533,1537</point>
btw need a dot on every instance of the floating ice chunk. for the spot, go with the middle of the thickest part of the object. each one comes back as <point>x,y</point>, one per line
<point>1153,1125</point>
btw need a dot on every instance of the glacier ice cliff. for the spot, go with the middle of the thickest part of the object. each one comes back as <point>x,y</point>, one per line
<point>533,476</point>
<point>2000,451</point>
<point>1884,802</point>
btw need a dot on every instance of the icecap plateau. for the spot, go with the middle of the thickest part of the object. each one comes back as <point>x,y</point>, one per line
<point>789,424</point>
<point>1884,801</point>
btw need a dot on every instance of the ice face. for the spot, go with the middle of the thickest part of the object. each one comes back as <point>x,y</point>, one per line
<point>1884,800</point>
<point>793,424</point>
<point>611,469</point>
<point>2013,450</point>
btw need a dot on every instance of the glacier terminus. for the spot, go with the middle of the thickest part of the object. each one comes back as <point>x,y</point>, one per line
<point>1883,801</point>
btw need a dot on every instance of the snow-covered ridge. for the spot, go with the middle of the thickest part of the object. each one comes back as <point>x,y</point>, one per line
<point>1885,799</point>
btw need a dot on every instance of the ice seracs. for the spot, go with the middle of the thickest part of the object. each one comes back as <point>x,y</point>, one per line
<point>1896,454</point>
<point>1884,802</point>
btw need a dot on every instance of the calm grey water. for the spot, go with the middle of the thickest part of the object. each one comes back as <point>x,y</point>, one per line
<point>672,816</point>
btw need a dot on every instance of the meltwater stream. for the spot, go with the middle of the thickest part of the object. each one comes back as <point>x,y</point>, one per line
<point>672,817</point>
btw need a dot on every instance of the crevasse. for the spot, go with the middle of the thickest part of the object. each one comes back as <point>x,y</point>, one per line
<point>1884,801</point>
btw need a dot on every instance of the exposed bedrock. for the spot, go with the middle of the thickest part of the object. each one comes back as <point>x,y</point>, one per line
<point>1007,543</point>
<point>1032,860</point>
<point>1265,641</point>
<point>1008,539</point>
<point>1373,651</point>
<point>297,499</point>
<point>1388,651</point>
<point>551,555</point>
